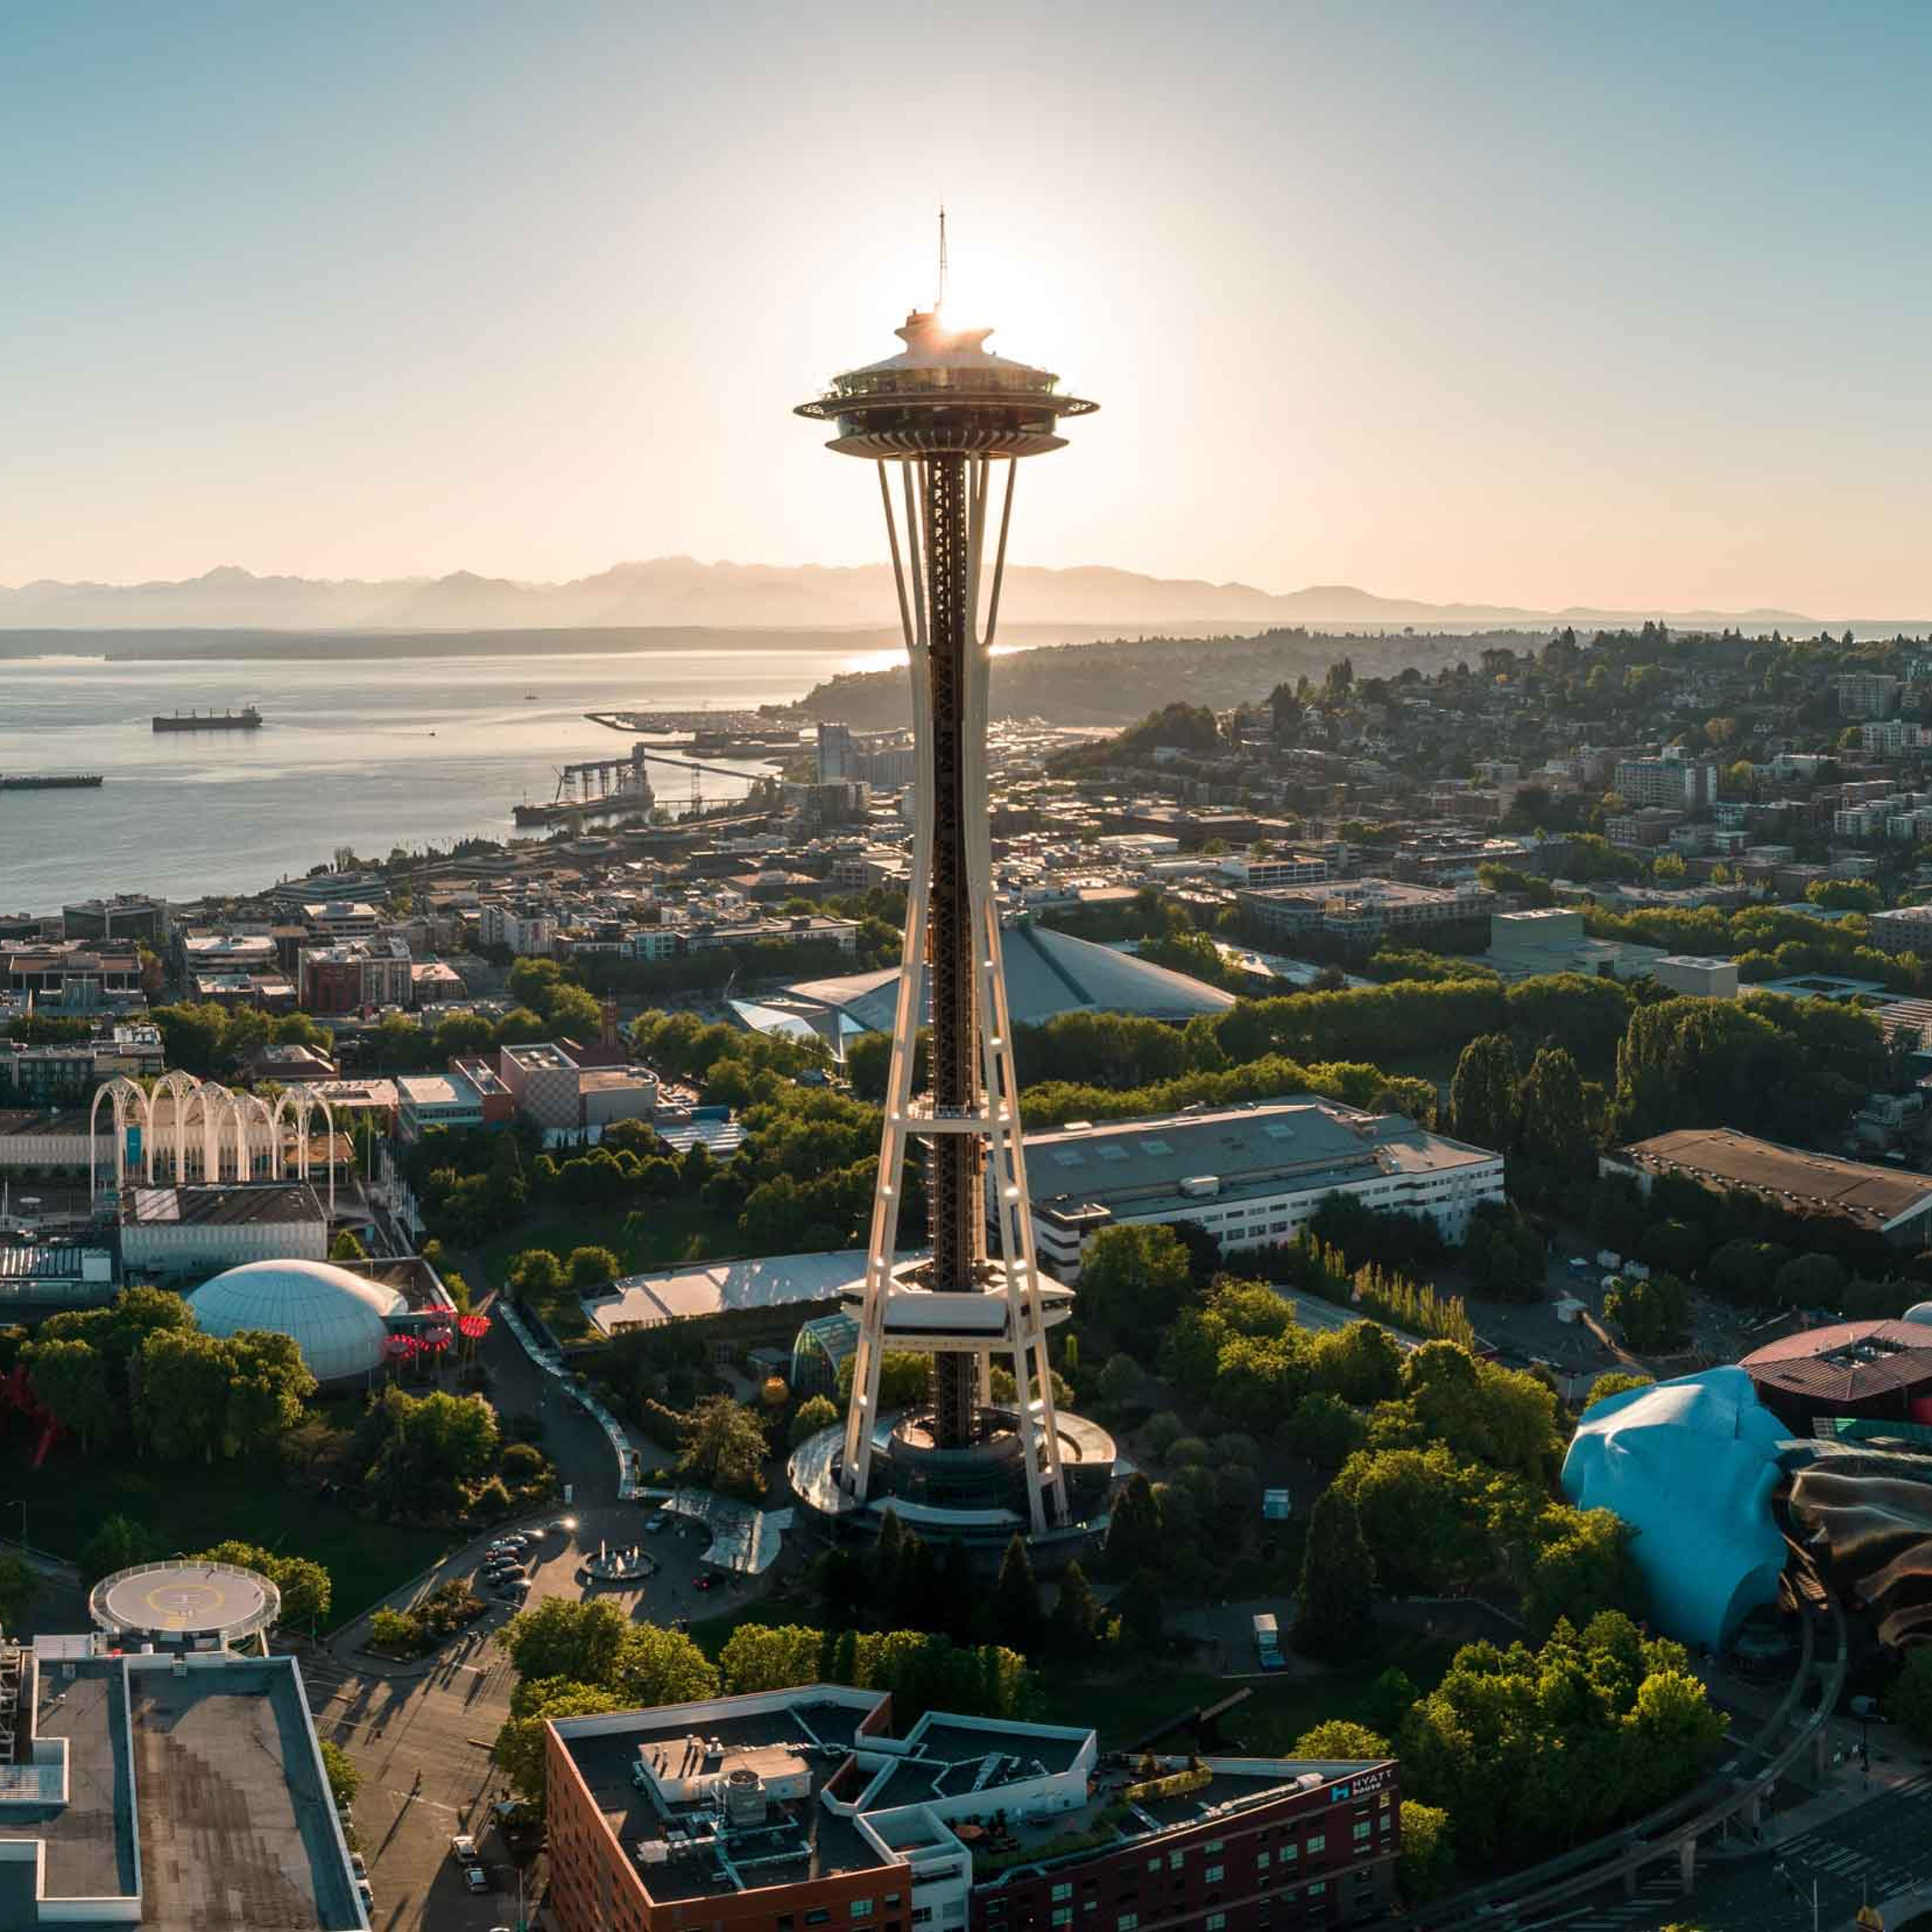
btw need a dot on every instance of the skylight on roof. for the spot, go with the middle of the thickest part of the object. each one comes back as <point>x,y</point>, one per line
<point>1155,1147</point>
<point>1107,1151</point>
<point>1277,1130</point>
<point>1069,1157</point>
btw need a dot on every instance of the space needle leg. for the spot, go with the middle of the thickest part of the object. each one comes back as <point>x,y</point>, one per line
<point>862,1413</point>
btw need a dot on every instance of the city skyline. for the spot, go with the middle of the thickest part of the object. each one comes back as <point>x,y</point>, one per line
<point>1502,308</point>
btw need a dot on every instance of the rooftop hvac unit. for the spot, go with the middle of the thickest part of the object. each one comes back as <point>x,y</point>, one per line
<point>745,1797</point>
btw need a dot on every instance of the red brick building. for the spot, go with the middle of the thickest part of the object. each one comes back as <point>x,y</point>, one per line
<point>796,1810</point>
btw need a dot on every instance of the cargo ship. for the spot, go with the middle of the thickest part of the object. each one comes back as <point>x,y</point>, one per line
<point>47,781</point>
<point>246,719</point>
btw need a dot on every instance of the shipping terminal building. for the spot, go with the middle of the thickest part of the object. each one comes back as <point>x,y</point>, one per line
<point>793,1809</point>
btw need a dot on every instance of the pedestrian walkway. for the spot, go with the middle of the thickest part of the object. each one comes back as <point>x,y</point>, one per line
<point>629,1487</point>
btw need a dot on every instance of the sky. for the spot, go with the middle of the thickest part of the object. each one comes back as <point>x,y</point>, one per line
<point>1616,304</point>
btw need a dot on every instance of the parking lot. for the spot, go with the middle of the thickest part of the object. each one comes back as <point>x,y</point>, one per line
<point>422,1740</point>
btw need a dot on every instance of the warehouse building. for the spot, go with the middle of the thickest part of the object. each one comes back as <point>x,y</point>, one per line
<point>1251,1175</point>
<point>1879,1200</point>
<point>799,1808</point>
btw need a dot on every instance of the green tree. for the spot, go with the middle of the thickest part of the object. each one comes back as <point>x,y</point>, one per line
<point>770,1657</point>
<point>306,1587</point>
<point>1340,1738</point>
<point>519,1750</point>
<point>1015,1605</point>
<point>724,1448</point>
<point>1482,1095</point>
<point>1135,1533</point>
<point>183,1405</point>
<point>656,1665</point>
<point>1324,1429</point>
<point>346,1247</point>
<point>815,1413</point>
<point>19,1584</point>
<point>1360,1364</point>
<point>1426,1865</point>
<point>344,1779</point>
<point>69,1378</point>
<point>1077,1618</point>
<point>536,1273</point>
<point>1908,1703</point>
<point>1554,1124</point>
<point>1335,1601</point>
<point>591,1268</point>
<point>1653,1315</point>
<point>119,1544</point>
<point>1615,1381</point>
<point>1583,1564</point>
<point>578,1643</point>
<point>1133,1278</point>
<point>1143,1610</point>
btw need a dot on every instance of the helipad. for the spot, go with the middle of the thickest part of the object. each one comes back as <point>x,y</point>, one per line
<point>185,1603</point>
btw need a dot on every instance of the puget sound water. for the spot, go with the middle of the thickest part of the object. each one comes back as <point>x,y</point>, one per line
<point>370,753</point>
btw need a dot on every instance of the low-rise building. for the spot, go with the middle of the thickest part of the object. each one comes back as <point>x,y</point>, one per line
<point>1251,1176</point>
<point>1903,929</point>
<point>196,1229</point>
<point>1358,914</point>
<point>1880,1200</point>
<point>799,1808</point>
<point>1707,977</point>
<point>426,1100</point>
<point>340,919</point>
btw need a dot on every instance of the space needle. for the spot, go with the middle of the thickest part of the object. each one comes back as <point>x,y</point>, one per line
<point>945,423</point>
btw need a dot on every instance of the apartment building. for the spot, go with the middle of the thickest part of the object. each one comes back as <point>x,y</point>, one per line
<point>1682,782</point>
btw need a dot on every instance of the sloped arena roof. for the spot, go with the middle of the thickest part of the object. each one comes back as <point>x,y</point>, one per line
<point>1048,974</point>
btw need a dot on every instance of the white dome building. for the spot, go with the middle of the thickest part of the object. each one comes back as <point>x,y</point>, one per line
<point>339,1321</point>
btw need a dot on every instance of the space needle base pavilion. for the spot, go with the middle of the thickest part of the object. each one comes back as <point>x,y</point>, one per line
<point>945,423</point>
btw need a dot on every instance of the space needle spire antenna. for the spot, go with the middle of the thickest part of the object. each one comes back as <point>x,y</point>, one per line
<point>939,301</point>
<point>949,416</point>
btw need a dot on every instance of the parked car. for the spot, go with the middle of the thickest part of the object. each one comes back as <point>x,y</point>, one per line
<point>463,1849</point>
<point>658,1525</point>
<point>359,1864</point>
<point>477,1878</point>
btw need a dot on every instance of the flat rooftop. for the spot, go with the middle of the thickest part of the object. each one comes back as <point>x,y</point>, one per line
<point>1875,1197</point>
<point>199,1795</point>
<point>210,1206</point>
<point>1298,1142</point>
<point>699,1288</point>
<point>826,1845</point>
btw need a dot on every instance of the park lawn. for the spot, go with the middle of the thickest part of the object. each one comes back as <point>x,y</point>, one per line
<point>1125,1705</point>
<point>1126,1702</point>
<point>663,1232</point>
<point>191,1506</point>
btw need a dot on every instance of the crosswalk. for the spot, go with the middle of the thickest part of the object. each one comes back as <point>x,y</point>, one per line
<point>1650,1907</point>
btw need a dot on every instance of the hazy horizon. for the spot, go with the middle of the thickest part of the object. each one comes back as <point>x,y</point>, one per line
<point>1609,308</point>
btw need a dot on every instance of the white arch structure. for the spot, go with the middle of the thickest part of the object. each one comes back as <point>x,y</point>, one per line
<point>214,1134</point>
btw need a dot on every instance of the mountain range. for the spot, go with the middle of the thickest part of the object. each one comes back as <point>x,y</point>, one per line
<point>680,591</point>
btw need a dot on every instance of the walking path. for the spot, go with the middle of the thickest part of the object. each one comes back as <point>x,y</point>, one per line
<point>629,1485</point>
